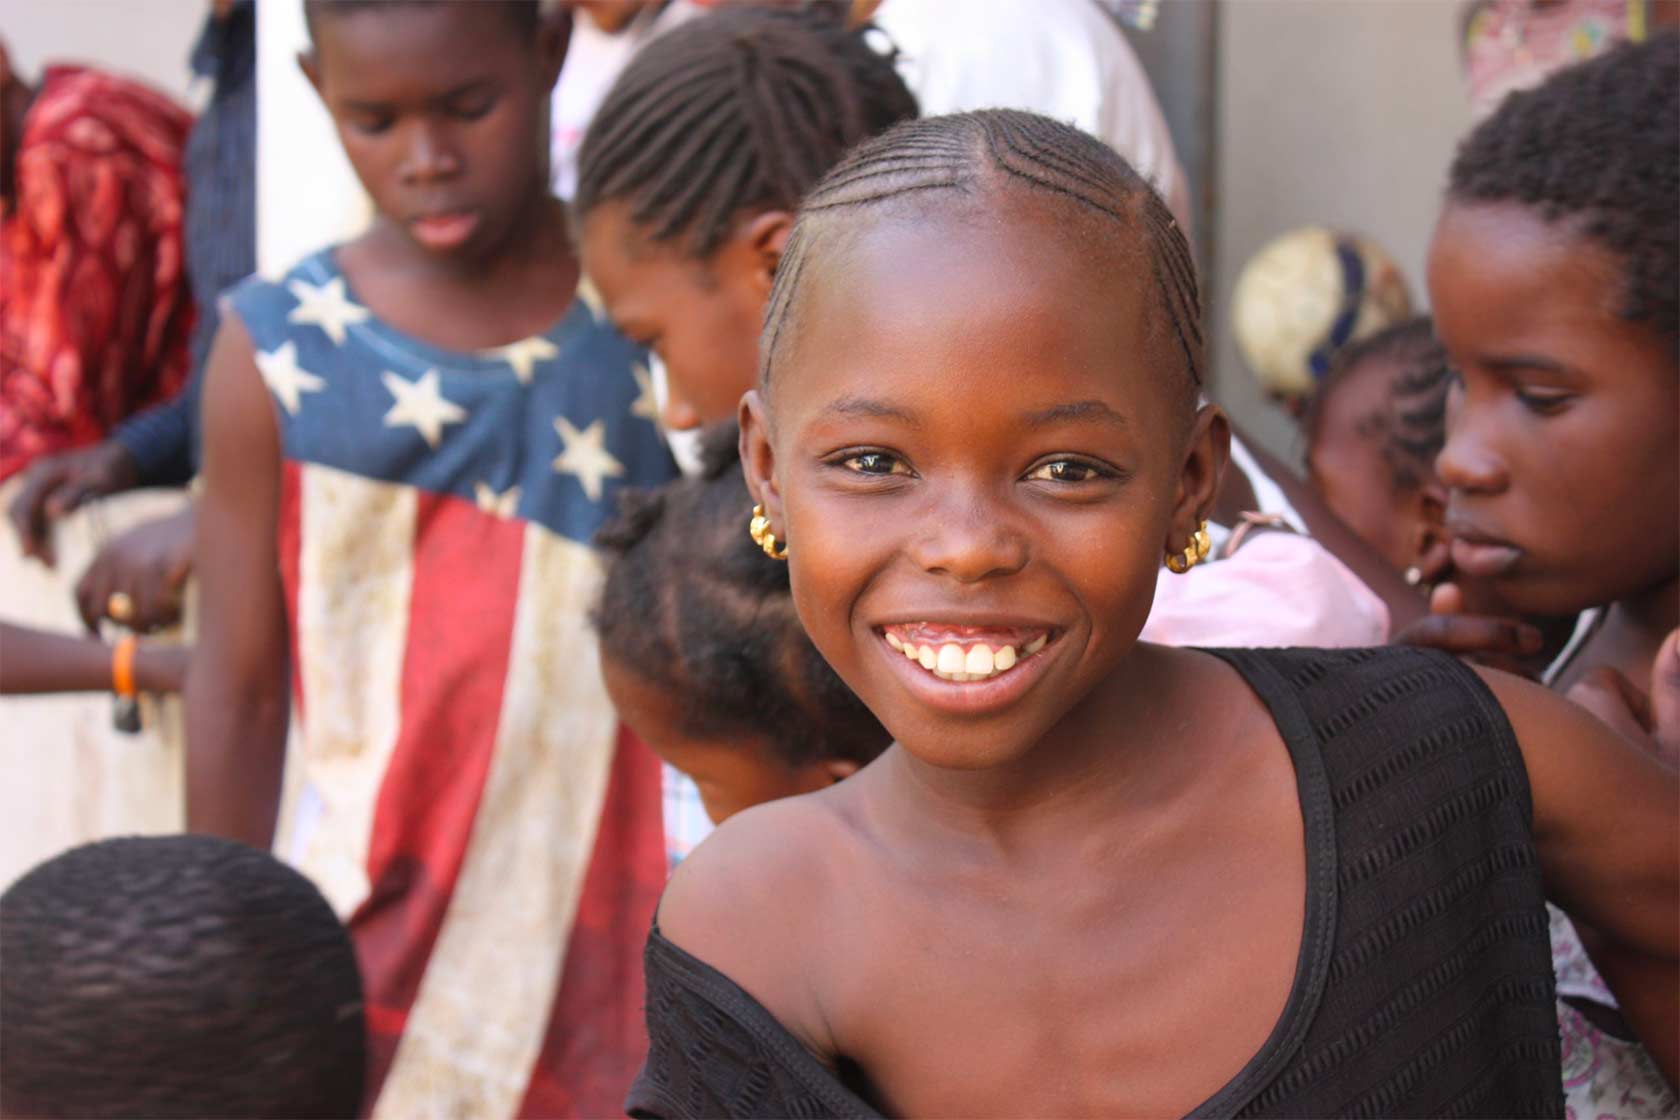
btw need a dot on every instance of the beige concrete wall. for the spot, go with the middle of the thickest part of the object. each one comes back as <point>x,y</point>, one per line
<point>146,39</point>
<point>1332,112</point>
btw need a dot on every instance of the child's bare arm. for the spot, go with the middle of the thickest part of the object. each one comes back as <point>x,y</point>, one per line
<point>1607,825</point>
<point>237,704</point>
<point>34,662</point>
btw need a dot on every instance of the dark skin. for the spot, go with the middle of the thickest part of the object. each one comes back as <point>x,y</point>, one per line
<point>1564,485</point>
<point>699,314</point>
<point>35,662</point>
<point>443,112</point>
<point>958,918</point>
<point>150,564</point>
<point>1348,464</point>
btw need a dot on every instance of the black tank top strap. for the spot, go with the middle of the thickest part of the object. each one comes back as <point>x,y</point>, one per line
<point>1437,993</point>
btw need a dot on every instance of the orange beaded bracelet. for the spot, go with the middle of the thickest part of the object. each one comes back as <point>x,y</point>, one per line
<point>122,667</point>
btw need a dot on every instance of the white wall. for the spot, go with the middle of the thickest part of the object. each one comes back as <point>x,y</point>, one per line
<point>1331,112</point>
<point>307,196</point>
<point>146,39</point>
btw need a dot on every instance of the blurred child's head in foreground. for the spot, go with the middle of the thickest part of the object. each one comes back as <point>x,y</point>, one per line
<point>176,976</point>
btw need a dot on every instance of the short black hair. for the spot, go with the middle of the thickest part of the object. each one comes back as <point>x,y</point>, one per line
<point>691,604</point>
<point>735,110</point>
<point>1412,422</point>
<point>980,153</point>
<point>176,976</point>
<point>1597,146</point>
<point>524,15</point>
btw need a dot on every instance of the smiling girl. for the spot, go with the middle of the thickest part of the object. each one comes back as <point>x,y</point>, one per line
<point>1094,876</point>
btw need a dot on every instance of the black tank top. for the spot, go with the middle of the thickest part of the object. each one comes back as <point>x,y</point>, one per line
<point>1424,984</point>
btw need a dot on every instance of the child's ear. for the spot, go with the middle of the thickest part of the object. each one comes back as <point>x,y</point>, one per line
<point>1205,457</point>
<point>311,67</point>
<point>766,236</point>
<point>758,460</point>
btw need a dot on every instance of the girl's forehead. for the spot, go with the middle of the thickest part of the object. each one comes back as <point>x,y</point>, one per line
<point>962,304</point>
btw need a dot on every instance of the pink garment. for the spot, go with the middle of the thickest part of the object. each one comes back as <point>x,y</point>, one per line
<point>1278,589</point>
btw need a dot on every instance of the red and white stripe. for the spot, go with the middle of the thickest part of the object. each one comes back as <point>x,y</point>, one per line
<point>493,842</point>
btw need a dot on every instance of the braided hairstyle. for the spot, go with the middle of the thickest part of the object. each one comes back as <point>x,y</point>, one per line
<point>1412,423</point>
<point>740,109</point>
<point>1598,147</point>
<point>181,976</point>
<point>979,154</point>
<point>692,605</point>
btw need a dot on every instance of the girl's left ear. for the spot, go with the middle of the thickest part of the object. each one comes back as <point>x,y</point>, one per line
<point>766,236</point>
<point>1205,458</point>
<point>758,460</point>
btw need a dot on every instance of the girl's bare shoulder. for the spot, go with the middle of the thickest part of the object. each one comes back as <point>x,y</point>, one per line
<point>754,898</point>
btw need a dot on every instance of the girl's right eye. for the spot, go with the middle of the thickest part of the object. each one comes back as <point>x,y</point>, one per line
<point>875,462</point>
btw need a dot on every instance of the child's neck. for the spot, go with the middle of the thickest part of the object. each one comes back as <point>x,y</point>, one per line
<point>1108,757</point>
<point>507,292</point>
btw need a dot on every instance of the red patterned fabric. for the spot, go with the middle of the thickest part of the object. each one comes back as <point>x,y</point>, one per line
<point>95,311</point>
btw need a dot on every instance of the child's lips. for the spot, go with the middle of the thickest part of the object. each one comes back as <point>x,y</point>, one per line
<point>969,671</point>
<point>444,231</point>
<point>1486,559</point>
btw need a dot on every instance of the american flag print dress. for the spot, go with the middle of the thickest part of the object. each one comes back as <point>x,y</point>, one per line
<point>490,835</point>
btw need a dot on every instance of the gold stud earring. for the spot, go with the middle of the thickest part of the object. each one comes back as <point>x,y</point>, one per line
<point>1194,552</point>
<point>759,529</point>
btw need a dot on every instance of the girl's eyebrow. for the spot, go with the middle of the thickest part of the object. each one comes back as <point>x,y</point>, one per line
<point>1510,363</point>
<point>1077,410</point>
<point>875,409</point>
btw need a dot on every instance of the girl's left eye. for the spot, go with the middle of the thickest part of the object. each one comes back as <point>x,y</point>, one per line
<point>1066,470</point>
<point>875,462</point>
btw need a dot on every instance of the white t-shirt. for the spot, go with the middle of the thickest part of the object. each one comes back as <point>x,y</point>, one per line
<point>1065,59</point>
<point>594,60</point>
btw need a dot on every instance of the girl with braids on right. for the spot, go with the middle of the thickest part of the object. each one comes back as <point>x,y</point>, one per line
<point>1093,876</point>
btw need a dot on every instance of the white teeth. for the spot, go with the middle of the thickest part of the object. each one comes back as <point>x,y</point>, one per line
<point>951,658</point>
<point>952,662</point>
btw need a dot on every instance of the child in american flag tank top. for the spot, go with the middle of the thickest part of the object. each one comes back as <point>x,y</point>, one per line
<point>435,516</point>
<point>409,440</point>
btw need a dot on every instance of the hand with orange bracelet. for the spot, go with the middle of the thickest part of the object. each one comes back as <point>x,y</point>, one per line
<point>34,662</point>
